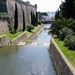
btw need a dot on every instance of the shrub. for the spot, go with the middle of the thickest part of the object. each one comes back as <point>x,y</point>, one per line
<point>71,24</point>
<point>55,27</point>
<point>64,32</point>
<point>39,23</point>
<point>72,43</point>
<point>13,31</point>
<point>10,25</point>
<point>66,40</point>
<point>69,41</point>
<point>29,28</point>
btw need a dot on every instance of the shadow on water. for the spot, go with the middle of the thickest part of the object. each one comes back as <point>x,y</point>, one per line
<point>27,60</point>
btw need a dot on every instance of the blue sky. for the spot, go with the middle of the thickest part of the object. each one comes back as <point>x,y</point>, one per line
<point>46,5</point>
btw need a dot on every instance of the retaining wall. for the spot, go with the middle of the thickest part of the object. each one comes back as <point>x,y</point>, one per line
<point>61,63</point>
<point>24,37</point>
<point>36,32</point>
<point>21,5</point>
<point>8,6</point>
<point>21,38</point>
<point>3,25</point>
<point>4,40</point>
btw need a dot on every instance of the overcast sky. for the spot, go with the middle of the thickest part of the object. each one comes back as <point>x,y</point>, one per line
<point>46,5</point>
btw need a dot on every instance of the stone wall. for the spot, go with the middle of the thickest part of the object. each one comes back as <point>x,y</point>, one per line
<point>21,5</point>
<point>3,25</point>
<point>8,6</point>
<point>61,63</point>
<point>18,39</point>
<point>24,37</point>
<point>4,40</point>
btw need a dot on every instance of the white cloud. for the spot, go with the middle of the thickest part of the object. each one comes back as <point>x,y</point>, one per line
<point>46,5</point>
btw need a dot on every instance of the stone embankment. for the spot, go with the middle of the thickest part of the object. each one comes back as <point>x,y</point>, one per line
<point>61,63</point>
<point>22,37</point>
<point>4,40</point>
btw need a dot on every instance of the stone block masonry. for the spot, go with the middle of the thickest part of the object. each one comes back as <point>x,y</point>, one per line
<point>61,63</point>
<point>19,39</point>
<point>21,5</point>
<point>8,6</point>
<point>3,25</point>
<point>4,40</point>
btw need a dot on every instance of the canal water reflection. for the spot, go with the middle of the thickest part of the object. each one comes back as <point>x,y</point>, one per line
<point>27,60</point>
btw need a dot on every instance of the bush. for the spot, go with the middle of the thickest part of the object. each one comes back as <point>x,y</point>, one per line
<point>39,23</point>
<point>55,27</point>
<point>64,32</point>
<point>66,40</point>
<point>71,24</point>
<point>10,25</point>
<point>72,43</point>
<point>69,41</point>
<point>13,31</point>
<point>29,28</point>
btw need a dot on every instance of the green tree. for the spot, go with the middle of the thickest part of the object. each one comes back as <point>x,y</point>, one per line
<point>36,19</point>
<point>57,15</point>
<point>16,18</point>
<point>71,24</point>
<point>67,9</point>
<point>33,19</point>
<point>55,27</point>
<point>23,21</point>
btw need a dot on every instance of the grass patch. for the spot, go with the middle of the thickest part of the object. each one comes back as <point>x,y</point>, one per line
<point>70,54</point>
<point>35,28</point>
<point>28,33</point>
<point>12,36</point>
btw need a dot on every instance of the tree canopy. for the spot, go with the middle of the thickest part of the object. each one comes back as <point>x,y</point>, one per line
<point>67,9</point>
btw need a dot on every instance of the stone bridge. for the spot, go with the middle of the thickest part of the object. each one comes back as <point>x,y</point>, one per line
<point>48,21</point>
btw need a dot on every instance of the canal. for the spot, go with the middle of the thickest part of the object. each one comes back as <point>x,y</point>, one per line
<point>28,60</point>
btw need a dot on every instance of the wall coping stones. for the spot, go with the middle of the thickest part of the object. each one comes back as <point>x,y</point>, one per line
<point>64,57</point>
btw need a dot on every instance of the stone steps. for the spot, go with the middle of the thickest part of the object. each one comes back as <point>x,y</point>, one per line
<point>34,44</point>
<point>46,44</point>
<point>22,43</point>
